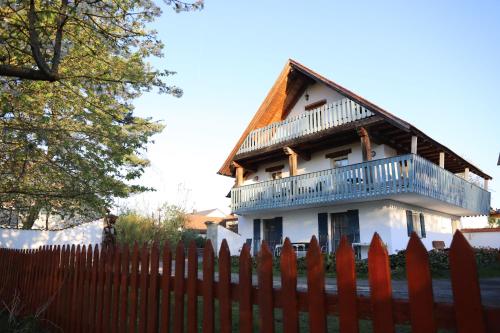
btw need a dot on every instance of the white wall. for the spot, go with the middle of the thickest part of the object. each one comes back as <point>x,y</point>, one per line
<point>318,162</point>
<point>474,222</point>
<point>217,233</point>
<point>85,234</point>
<point>386,217</point>
<point>316,92</point>
<point>483,239</point>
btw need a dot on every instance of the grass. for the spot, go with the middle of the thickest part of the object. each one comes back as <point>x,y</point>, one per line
<point>365,326</point>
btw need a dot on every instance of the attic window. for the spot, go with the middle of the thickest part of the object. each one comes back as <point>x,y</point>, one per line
<point>315,105</point>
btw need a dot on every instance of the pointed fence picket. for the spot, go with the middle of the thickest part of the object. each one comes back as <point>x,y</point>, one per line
<point>88,289</point>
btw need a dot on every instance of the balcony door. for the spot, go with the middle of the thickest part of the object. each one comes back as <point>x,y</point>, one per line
<point>344,224</point>
<point>273,231</point>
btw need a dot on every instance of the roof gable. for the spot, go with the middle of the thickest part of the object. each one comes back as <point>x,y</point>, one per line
<point>289,87</point>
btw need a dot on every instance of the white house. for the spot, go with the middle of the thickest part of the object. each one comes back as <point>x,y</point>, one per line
<point>317,159</point>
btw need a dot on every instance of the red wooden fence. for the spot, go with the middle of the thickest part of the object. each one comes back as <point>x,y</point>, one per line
<point>114,290</point>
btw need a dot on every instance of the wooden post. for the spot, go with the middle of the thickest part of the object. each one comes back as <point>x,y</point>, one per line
<point>292,160</point>
<point>239,171</point>
<point>414,144</point>
<point>485,184</point>
<point>466,174</point>
<point>366,146</point>
<point>441,159</point>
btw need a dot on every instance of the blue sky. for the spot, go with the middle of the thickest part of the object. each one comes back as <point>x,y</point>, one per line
<point>434,64</point>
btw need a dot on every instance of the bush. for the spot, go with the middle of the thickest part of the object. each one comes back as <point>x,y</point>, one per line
<point>133,227</point>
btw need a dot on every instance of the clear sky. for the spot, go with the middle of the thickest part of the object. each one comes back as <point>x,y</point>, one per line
<point>435,64</point>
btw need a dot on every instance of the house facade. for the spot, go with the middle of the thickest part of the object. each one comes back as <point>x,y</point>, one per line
<point>317,159</point>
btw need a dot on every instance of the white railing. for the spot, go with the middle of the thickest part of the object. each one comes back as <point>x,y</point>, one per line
<point>373,179</point>
<point>338,113</point>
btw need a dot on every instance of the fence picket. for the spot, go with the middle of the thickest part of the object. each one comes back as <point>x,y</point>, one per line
<point>266,302</point>
<point>79,306</point>
<point>419,287</point>
<point>179,289</point>
<point>288,265</point>
<point>115,297</point>
<point>134,275</point>
<point>224,290</point>
<point>143,289</point>
<point>85,327</point>
<point>465,286</point>
<point>380,286</point>
<point>346,285</point>
<point>152,326</point>
<point>208,288</point>
<point>124,293</point>
<point>192,297</point>
<point>106,294</point>
<point>245,290</point>
<point>69,290</point>
<point>93,291</point>
<point>165,289</point>
<point>316,287</point>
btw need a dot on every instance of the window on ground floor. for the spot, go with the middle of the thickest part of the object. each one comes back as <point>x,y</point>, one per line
<point>415,222</point>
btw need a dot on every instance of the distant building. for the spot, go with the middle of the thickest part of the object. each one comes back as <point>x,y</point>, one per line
<point>197,220</point>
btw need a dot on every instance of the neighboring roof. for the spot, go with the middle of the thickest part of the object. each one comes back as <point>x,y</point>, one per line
<point>275,106</point>
<point>208,212</point>
<point>472,230</point>
<point>198,221</point>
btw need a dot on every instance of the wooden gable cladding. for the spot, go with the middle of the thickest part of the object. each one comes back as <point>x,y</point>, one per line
<point>285,92</point>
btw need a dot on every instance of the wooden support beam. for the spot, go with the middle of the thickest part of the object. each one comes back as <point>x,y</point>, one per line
<point>441,159</point>
<point>292,160</point>
<point>485,185</point>
<point>366,146</point>
<point>414,144</point>
<point>239,173</point>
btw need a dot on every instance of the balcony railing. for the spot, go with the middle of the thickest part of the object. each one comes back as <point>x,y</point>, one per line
<point>339,113</point>
<point>374,179</point>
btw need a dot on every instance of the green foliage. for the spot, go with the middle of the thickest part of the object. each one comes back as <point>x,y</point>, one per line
<point>69,71</point>
<point>133,227</point>
<point>493,222</point>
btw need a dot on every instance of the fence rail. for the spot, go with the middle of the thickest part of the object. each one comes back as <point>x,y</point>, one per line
<point>374,179</point>
<point>338,113</point>
<point>114,290</point>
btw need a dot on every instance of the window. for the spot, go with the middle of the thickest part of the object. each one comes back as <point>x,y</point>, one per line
<point>415,222</point>
<point>339,158</point>
<point>339,162</point>
<point>276,175</point>
<point>315,105</point>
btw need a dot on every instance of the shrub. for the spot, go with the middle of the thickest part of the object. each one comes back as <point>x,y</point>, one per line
<point>133,227</point>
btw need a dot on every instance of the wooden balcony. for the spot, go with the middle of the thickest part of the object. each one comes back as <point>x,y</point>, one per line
<point>406,178</point>
<point>328,116</point>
